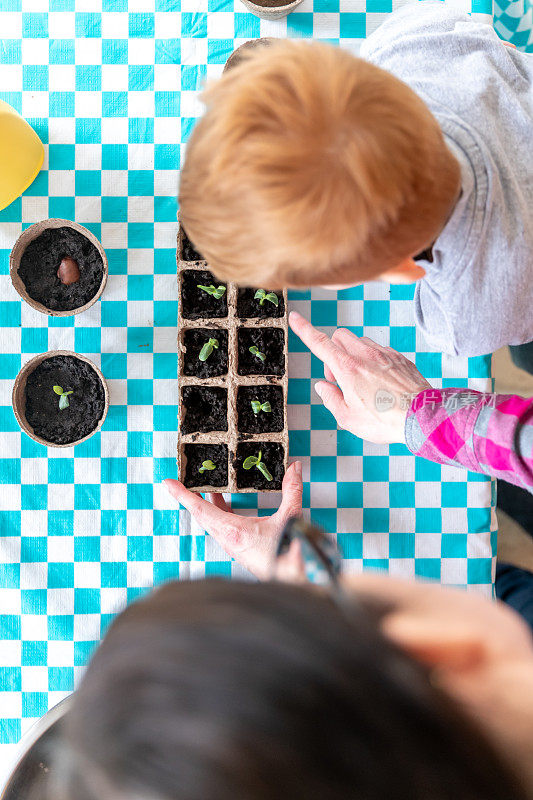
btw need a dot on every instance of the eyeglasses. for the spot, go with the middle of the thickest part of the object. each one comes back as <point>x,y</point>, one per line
<point>322,561</point>
<point>321,558</point>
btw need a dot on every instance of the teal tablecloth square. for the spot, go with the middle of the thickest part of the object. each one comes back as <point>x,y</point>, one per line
<point>60,628</point>
<point>375,468</point>
<point>34,704</point>
<point>350,494</point>
<point>34,653</point>
<point>87,548</point>
<point>10,576</point>
<point>61,679</point>
<point>114,574</point>
<point>429,568</point>
<point>10,626</point>
<point>453,546</point>
<point>33,549</point>
<point>33,601</point>
<point>402,545</point>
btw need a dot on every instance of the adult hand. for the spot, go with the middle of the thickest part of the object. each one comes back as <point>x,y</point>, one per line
<point>252,541</point>
<point>367,386</point>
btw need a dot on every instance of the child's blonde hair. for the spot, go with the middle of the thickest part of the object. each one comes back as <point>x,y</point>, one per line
<point>313,166</point>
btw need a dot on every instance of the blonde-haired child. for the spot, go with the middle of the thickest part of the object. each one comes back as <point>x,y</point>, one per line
<point>314,167</point>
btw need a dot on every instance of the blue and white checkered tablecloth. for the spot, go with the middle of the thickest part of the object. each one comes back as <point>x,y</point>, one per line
<point>111,87</point>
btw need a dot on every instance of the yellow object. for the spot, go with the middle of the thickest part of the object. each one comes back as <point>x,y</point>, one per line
<point>21,155</point>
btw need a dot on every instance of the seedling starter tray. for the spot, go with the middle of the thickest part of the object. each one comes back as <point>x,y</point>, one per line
<point>235,440</point>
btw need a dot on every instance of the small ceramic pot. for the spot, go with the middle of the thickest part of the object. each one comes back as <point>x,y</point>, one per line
<point>32,233</point>
<point>271,12</point>
<point>18,398</point>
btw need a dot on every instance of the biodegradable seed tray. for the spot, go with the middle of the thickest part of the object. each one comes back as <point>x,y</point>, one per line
<point>216,421</point>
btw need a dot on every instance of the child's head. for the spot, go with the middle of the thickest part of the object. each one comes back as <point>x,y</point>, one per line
<point>312,166</point>
<point>217,690</point>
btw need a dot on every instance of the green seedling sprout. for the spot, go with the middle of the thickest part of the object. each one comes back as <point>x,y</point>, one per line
<point>257,353</point>
<point>255,461</point>
<point>63,397</point>
<point>261,295</point>
<point>207,349</point>
<point>257,407</point>
<point>216,291</point>
<point>207,465</point>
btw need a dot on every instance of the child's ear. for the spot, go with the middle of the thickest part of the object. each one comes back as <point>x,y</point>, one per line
<point>406,272</point>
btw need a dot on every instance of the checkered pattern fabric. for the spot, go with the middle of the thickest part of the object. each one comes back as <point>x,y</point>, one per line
<point>111,87</point>
<point>513,21</point>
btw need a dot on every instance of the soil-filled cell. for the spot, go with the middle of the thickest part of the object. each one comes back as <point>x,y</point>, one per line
<point>201,457</point>
<point>209,301</point>
<point>260,409</point>
<point>206,409</point>
<point>261,351</point>
<point>271,457</point>
<point>263,306</point>
<point>216,360</point>
<point>188,251</point>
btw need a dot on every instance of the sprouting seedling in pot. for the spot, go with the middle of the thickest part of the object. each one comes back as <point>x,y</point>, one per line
<point>63,397</point>
<point>207,349</point>
<point>262,295</point>
<point>255,351</point>
<point>207,465</point>
<point>216,291</point>
<point>257,407</point>
<point>255,461</point>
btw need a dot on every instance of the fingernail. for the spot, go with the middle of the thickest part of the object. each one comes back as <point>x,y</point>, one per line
<point>318,389</point>
<point>295,315</point>
<point>298,468</point>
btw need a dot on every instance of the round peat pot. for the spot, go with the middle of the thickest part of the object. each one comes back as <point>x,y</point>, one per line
<point>271,9</point>
<point>33,768</point>
<point>245,48</point>
<point>58,267</point>
<point>60,418</point>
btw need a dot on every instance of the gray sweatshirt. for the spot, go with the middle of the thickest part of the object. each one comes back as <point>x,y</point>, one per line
<point>478,292</point>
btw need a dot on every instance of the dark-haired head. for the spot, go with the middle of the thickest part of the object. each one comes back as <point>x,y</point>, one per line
<point>216,690</point>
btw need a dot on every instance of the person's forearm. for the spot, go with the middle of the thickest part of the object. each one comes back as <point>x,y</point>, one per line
<point>489,433</point>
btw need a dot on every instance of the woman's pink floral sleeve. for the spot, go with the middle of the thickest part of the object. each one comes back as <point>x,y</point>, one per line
<point>490,433</point>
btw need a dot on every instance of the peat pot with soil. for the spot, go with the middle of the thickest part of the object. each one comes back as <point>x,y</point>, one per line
<point>244,49</point>
<point>60,398</point>
<point>271,9</point>
<point>58,267</point>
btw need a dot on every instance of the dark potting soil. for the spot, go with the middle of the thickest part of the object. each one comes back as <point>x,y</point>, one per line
<point>248,307</point>
<point>269,341</point>
<point>188,251</point>
<point>196,454</point>
<point>195,302</point>
<point>216,364</point>
<point>272,455</point>
<point>86,403</point>
<point>264,421</point>
<point>206,409</point>
<point>41,259</point>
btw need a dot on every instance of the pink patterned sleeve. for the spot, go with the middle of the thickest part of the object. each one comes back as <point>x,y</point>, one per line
<point>490,433</point>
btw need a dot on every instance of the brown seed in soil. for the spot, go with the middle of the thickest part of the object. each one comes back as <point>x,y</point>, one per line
<point>68,271</point>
